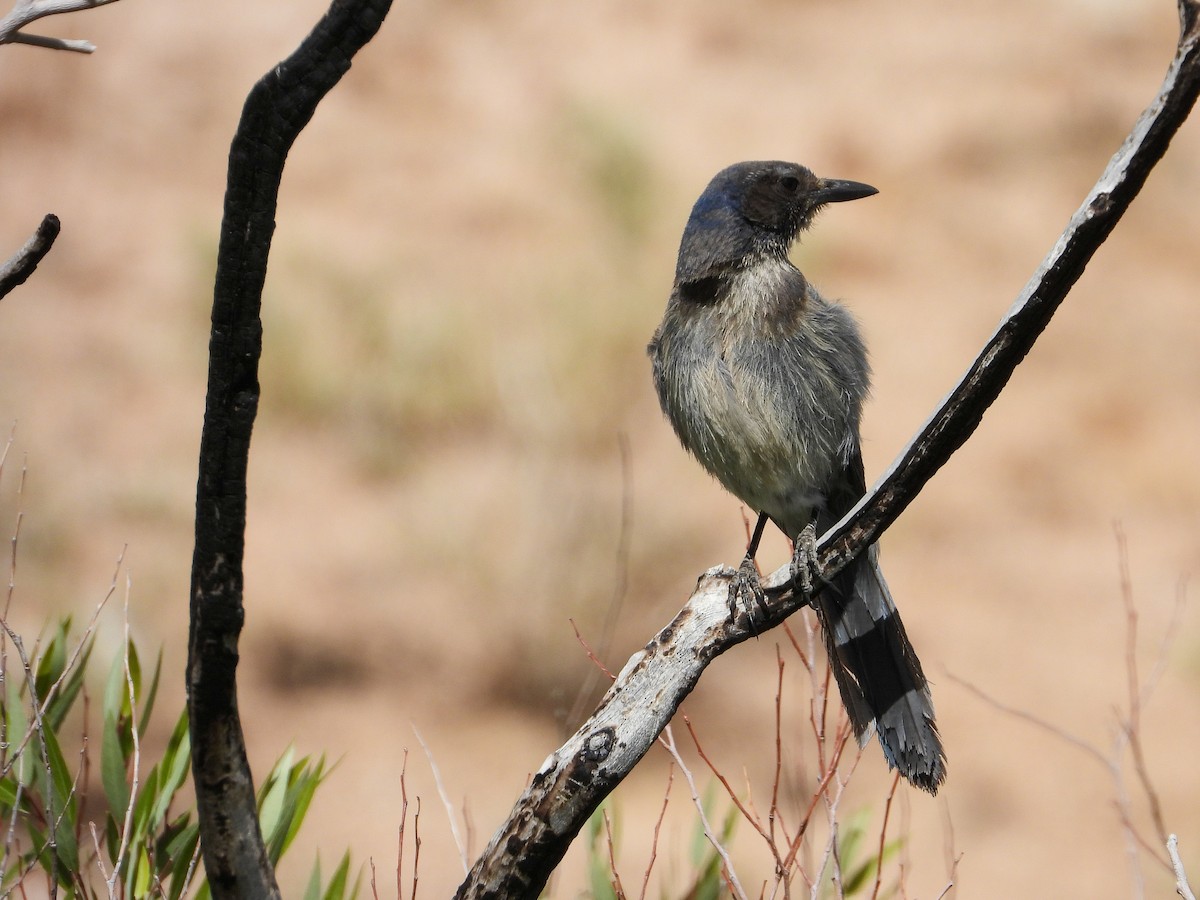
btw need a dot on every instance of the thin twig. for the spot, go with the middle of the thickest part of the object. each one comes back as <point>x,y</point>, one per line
<point>620,582</point>
<point>618,888</point>
<point>1137,693</point>
<point>38,726</point>
<point>741,807</point>
<point>400,830</point>
<point>416,848</point>
<point>596,661</point>
<point>445,798</point>
<point>662,814</point>
<point>191,870</point>
<point>832,851</point>
<point>951,856</point>
<point>887,811</point>
<point>668,741</point>
<point>840,740</point>
<point>127,826</point>
<point>773,813</point>
<point>4,735</point>
<point>52,692</point>
<point>1110,765</point>
<point>1182,888</point>
<point>100,859</point>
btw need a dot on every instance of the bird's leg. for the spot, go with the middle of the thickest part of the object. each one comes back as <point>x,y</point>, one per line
<point>745,588</point>
<point>805,564</point>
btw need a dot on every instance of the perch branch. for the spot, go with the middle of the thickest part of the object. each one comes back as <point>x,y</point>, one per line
<point>20,266</point>
<point>1182,888</point>
<point>26,11</point>
<point>277,109</point>
<point>579,775</point>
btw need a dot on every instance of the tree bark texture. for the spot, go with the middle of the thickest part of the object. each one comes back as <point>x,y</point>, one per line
<point>277,109</point>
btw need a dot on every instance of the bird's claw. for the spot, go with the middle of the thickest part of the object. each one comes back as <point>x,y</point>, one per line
<point>746,591</point>
<point>806,567</point>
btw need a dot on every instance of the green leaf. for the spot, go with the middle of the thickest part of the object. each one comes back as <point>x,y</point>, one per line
<point>63,806</point>
<point>313,890</point>
<point>53,660</point>
<point>173,769</point>
<point>852,837</point>
<point>113,769</point>
<point>141,883</point>
<point>117,706</point>
<point>302,788</point>
<point>151,694</point>
<point>141,825</point>
<point>700,845</point>
<point>271,798</point>
<point>8,795</point>
<point>179,852</point>
<point>17,725</point>
<point>60,704</point>
<point>337,884</point>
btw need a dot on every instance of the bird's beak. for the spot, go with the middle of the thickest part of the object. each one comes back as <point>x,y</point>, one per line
<point>832,190</point>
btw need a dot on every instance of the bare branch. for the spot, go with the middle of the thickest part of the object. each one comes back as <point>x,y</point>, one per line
<point>277,109</point>
<point>26,11</point>
<point>1182,888</point>
<point>728,873</point>
<point>445,798</point>
<point>20,266</point>
<point>575,778</point>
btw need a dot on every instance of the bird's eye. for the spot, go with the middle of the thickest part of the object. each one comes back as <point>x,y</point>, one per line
<point>790,183</point>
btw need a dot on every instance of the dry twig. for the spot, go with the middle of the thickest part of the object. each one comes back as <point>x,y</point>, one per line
<point>17,269</point>
<point>26,11</point>
<point>1182,888</point>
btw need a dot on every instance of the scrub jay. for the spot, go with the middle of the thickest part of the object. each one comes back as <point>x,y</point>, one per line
<point>763,381</point>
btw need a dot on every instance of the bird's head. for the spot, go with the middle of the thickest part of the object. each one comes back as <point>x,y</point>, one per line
<point>752,209</point>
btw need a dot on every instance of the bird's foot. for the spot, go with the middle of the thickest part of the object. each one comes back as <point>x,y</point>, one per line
<point>746,591</point>
<point>806,566</point>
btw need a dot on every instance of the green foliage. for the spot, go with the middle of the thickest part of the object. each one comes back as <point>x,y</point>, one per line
<point>858,855</point>
<point>284,798</point>
<point>140,843</point>
<point>339,887</point>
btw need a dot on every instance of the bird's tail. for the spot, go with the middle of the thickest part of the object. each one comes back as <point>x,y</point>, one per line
<point>878,672</point>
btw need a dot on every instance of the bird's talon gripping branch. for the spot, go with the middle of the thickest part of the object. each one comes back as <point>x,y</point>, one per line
<point>746,591</point>
<point>806,567</point>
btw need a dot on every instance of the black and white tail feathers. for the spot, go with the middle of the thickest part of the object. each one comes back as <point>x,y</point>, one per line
<point>878,673</point>
<point>876,667</point>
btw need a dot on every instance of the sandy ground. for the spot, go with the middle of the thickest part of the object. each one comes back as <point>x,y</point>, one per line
<point>476,237</point>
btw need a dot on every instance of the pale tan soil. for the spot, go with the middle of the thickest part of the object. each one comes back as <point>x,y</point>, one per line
<point>476,237</point>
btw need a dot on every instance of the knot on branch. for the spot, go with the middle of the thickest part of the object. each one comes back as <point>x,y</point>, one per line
<point>598,745</point>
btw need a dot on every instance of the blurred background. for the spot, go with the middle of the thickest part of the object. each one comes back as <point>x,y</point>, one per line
<point>476,238</point>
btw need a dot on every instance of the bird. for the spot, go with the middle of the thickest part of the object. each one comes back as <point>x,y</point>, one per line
<point>763,381</point>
